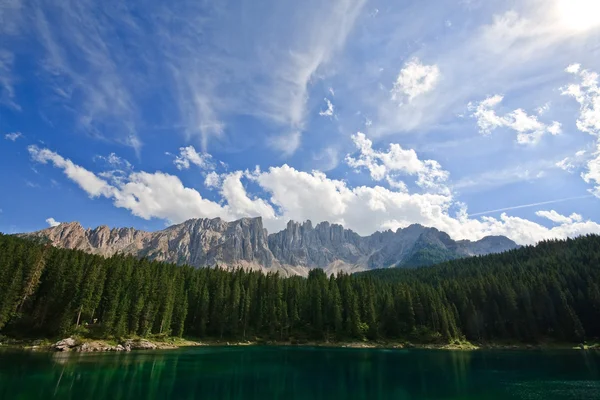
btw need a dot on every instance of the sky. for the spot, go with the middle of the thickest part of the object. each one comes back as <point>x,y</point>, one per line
<point>474,117</point>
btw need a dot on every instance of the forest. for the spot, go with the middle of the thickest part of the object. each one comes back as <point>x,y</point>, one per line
<point>531,294</point>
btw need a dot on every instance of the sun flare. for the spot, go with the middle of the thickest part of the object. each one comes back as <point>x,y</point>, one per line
<point>579,15</point>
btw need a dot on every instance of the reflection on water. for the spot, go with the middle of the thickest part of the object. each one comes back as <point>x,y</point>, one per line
<point>300,373</point>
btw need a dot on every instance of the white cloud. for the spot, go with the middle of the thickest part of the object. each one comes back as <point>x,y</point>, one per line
<point>239,203</point>
<point>555,128</point>
<point>87,180</point>
<point>518,48</point>
<point>574,163</point>
<point>573,68</point>
<point>13,136</point>
<point>212,180</point>
<point>164,196</point>
<point>52,222</point>
<point>291,194</point>
<point>529,129</point>
<point>114,161</point>
<point>188,155</point>
<point>487,119</point>
<point>587,94</point>
<point>415,79</point>
<point>558,218</point>
<point>396,184</point>
<point>329,111</point>
<point>593,172</point>
<point>380,165</point>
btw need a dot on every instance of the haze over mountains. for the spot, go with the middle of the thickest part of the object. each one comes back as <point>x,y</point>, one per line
<point>293,251</point>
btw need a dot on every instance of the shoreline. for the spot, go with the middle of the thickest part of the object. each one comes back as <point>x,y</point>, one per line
<point>87,345</point>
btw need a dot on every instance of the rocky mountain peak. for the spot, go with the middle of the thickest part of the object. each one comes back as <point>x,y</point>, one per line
<point>294,250</point>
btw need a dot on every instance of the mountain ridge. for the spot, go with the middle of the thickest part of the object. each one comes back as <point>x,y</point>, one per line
<point>294,250</point>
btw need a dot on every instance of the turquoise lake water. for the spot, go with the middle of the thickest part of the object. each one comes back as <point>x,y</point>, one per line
<point>301,373</point>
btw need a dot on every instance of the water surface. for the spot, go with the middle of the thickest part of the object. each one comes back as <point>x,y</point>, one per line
<point>301,373</point>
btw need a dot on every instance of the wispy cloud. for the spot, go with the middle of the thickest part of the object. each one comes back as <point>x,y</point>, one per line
<point>329,111</point>
<point>529,129</point>
<point>530,172</point>
<point>542,203</point>
<point>188,155</point>
<point>13,136</point>
<point>85,64</point>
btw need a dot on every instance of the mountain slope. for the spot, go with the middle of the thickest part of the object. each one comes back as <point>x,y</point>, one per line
<point>293,251</point>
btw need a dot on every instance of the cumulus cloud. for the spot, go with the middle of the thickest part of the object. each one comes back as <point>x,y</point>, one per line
<point>13,136</point>
<point>298,195</point>
<point>160,195</point>
<point>329,111</point>
<point>155,195</point>
<point>529,129</point>
<point>87,180</point>
<point>415,79</point>
<point>382,165</point>
<point>558,218</point>
<point>52,222</point>
<point>239,203</point>
<point>212,180</point>
<point>188,155</point>
<point>587,94</point>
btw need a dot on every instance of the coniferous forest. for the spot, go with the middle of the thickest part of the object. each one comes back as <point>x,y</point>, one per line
<point>550,291</point>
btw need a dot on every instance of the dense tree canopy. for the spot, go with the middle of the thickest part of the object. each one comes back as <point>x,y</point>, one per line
<point>529,294</point>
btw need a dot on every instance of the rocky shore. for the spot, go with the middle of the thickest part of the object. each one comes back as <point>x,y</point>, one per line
<point>87,345</point>
<point>72,344</point>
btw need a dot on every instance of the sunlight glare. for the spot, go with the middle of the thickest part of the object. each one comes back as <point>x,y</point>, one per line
<point>579,15</point>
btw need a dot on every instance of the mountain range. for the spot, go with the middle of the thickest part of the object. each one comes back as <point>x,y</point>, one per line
<point>295,250</point>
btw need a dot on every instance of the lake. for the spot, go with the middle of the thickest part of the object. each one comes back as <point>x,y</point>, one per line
<point>301,373</point>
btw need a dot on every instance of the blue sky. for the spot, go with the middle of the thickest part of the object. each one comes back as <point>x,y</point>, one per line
<point>475,117</point>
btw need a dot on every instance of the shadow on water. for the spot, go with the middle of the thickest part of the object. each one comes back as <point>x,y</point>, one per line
<point>300,373</point>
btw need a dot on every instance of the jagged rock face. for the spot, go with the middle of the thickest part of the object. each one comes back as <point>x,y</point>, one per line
<point>295,250</point>
<point>198,242</point>
<point>301,244</point>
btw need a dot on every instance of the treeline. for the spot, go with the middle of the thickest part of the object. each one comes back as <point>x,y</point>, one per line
<point>529,294</point>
